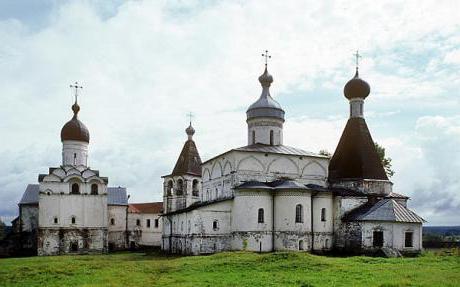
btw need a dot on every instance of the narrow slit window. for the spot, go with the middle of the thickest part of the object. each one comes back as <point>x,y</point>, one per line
<point>260,215</point>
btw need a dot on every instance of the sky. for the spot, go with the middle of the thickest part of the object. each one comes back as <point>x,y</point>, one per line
<point>145,64</point>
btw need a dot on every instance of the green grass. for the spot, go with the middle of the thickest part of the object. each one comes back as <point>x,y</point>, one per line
<point>231,269</point>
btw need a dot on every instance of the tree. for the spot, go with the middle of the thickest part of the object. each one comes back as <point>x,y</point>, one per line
<point>2,229</point>
<point>386,161</point>
<point>325,153</point>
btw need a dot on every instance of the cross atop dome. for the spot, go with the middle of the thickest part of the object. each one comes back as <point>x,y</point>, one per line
<point>357,56</point>
<point>266,56</point>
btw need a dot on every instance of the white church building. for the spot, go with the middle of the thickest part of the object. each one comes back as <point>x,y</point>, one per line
<point>267,196</point>
<point>72,209</point>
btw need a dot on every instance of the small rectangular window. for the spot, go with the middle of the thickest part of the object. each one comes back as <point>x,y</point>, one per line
<point>156,223</point>
<point>55,220</point>
<point>148,223</point>
<point>138,222</point>
<point>408,240</point>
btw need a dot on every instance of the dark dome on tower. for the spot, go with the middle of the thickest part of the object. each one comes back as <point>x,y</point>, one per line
<point>75,130</point>
<point>356,88</point>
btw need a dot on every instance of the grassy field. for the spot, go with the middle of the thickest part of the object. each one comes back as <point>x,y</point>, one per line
<point>231,269</point>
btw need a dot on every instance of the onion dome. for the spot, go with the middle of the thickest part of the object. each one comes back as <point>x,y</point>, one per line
<point>190,131</point>
<point>356,88</point>
<point>74,130</point>
<point>265,106</point>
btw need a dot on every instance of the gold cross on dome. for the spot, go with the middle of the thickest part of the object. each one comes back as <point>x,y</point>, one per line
<point>266,56</point>
<point>76,87</point>
<point>357,56</point>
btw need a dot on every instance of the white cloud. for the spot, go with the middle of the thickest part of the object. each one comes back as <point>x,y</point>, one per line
<point>145,64</point>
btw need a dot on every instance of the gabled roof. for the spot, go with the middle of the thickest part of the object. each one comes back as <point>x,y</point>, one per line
<point>149,207</point>
<point>117,196</point>
<point>384,210</point>
<point>356,156</point>
<point>30,195</point>
<point>189,161</point>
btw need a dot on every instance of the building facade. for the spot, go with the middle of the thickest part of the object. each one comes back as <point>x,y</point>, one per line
<point>267,196</point>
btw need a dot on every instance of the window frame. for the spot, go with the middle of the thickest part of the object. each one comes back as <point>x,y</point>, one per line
<point>323,214</point>
<point>94,189</point>
<point>299,213</point>
<point>260,215</point>
<point>72,188</point>
<point>411,233</point>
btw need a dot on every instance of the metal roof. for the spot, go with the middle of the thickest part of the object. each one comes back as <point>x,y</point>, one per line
<point>30,195</point>
<point>117,196</point>
<point>265,106</point>
<point>280,149</point>
<point>384,210</point>
<point>356,156</point>
<point>274,149</point>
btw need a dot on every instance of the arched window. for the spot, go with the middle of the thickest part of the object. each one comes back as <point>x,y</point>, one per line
<point>75,188</point>
<point>253,137</point>
<point>271,137</point>
<point>298,213</point>
<point>93,189</point>
<point>207,194</point>
<point>74,159</point>
<point>217,193</point>
<point>215,225</point>
<point>260,215</point>
<point>180,187</point>
<point>55,220</point>
<point>323,214</point>
<point>112,221</point>
<point>73,220</point>
<point>169,188</point>
<point>195,191</point>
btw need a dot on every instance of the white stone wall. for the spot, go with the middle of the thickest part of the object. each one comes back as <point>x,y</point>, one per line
<point>142,234</point>
<point>117,226</point>
<point>393,235</point>
<point>88,210</point>
<point>193,232</point>
<point>323,229</point>
<point>248,233</point>
<point>74,153</point>
<point>259,130</point>
<point>221,174</point>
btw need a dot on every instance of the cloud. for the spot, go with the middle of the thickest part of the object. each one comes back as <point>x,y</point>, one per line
<point>145,64</point>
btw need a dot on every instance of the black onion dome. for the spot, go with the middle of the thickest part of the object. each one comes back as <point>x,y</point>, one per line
<point>356,88</point>
<point>75,130</point>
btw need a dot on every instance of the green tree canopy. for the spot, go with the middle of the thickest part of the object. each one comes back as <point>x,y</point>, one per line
<point>386,161</point>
